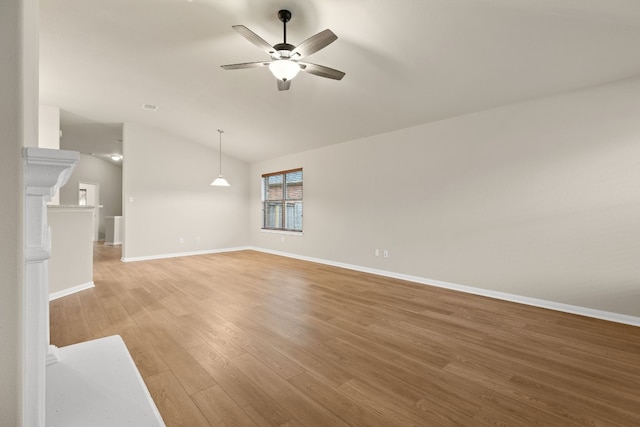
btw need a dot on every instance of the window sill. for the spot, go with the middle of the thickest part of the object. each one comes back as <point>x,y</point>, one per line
<point>290,233</point>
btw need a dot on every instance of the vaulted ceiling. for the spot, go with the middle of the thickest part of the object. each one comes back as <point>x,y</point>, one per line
<point>407,62</point>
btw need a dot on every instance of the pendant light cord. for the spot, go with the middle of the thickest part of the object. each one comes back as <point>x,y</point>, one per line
<point>220,149</point>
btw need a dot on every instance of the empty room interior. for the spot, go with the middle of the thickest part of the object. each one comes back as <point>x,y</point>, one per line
<point>310,213</point>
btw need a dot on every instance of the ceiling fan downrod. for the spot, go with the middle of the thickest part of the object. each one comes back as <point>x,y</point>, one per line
<point>284,16</point>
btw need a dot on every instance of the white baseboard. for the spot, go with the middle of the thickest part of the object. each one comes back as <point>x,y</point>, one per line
<point>181,254</point>
<point>551,305</point>
<point>69,291</point>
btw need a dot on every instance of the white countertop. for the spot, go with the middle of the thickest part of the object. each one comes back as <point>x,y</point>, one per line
<point>96,384</point>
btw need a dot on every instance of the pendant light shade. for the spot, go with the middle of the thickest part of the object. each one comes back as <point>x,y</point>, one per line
<point>284,69</point>
<point>220,181</point>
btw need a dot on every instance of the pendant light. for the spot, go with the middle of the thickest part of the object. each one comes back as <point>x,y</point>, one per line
<point>220,181</point>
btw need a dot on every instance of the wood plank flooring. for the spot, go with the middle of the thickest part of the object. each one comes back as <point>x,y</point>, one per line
<point>251,339</point>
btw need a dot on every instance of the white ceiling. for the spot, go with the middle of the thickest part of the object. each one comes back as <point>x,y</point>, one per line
<point>407,62</point>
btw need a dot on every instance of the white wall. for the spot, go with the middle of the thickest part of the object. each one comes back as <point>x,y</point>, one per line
<point>49,134</point>
<point>540,200</point>
<point>168,180</point>
<point>49,127</point>
<point>95,170</point>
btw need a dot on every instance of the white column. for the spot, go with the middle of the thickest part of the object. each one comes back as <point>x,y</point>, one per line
<point>46,171</point>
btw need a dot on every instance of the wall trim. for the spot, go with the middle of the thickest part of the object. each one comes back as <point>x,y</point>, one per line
<point>72,290</point>
<point>181,254</point>
<point>45,171</point>
<point>535,302</point>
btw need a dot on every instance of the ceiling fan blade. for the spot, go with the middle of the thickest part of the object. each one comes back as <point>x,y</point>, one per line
<point>321,70</point>
<point>314,44</point>
<point>284,84</point>
<point>255,39</point>
<point>245,65</point>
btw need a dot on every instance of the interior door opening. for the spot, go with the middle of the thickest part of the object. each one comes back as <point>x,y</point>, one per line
<point>89,195</point>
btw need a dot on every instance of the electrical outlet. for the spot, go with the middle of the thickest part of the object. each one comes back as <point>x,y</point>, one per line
<point>282,239</point>
<point>385,253</point>
<point>377,252</point>
<point>181,240</point>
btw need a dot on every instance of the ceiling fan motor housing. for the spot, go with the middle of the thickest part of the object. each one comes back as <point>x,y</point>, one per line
<point>285,48</point>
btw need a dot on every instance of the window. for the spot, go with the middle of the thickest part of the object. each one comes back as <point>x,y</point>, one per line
<point>282,200</point>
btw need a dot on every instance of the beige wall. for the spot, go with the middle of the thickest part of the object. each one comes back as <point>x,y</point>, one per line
<point>168,180</point>
<point>18,128</point>
<point>539,200</point>
<point>71,262</point>
<point>10,177</point>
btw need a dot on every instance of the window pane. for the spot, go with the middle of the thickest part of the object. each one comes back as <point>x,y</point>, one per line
<point>294,191</point>
<point>293,216</point>
<point>294,185</point>
<point>274,179</point>
<point>282,200</point>
<point>272,214</point>
<point>274,191</point>
<point>294,177</point>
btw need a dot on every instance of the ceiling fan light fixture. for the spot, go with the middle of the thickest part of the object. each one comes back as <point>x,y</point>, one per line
<point>284,69</point>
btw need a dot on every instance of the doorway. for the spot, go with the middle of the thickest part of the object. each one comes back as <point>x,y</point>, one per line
<point>89,195</point>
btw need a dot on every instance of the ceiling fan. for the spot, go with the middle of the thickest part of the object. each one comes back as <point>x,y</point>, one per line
<point>285,58</point>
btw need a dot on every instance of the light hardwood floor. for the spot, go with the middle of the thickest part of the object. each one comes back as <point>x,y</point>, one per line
<point>246,338</point>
